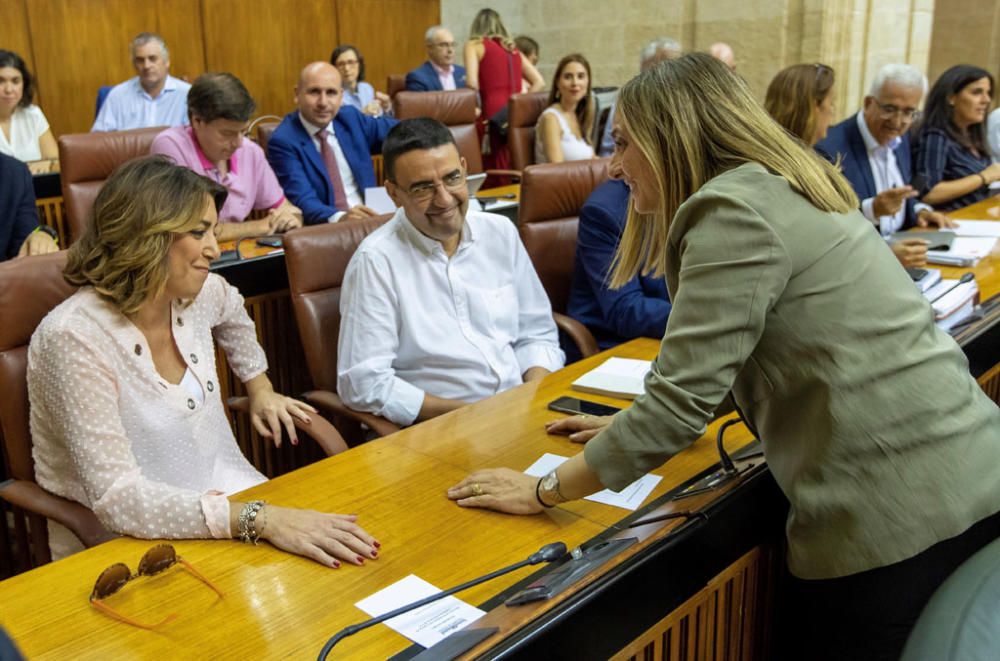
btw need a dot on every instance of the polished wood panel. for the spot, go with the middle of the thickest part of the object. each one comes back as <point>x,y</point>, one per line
<point>52,212</point>
<point>407,20</point>
<point>15,34</point>
<point>179,23</point>
<point>265,43</point>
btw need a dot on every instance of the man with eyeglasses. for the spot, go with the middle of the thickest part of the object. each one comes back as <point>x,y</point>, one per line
<point>873,151</point>
<point>321,153</point>
<point>439,72</point>
<point>440,306</point>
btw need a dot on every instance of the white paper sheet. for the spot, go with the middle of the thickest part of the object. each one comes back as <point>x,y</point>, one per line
<point>427,625</point>
<point>615,377</point>
<point>963,247</point>
<point>977,228</point>
<point>379,201</point>
<point>630,498</point>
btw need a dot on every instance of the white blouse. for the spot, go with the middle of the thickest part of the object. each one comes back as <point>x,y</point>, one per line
<point>573,148</point>
<point>109,432</point>
<point>27,125</point>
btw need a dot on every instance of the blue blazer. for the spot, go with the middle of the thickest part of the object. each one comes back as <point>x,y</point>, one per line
<point>844,141</point>
<point>18,216</point>
<point>641,307</point>
<point>301,170</point>
<point>425,78</point>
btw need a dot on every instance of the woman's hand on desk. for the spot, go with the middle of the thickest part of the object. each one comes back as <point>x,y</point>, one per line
<point>500,489</point>
<point>579,428</point>
<point>326,538</point>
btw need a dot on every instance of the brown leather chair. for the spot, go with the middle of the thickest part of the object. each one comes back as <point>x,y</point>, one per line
<point>264,132</point>
<point>456,109</point>
<point>29,289</point>
<point>317,258</point>
<point>394,83</point>
<point>87,159</point>
<point>552,195</point>
<point>522,115</point>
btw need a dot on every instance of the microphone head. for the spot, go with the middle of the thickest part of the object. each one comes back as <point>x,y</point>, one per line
<point>968,277</point>
<point>548,553</point>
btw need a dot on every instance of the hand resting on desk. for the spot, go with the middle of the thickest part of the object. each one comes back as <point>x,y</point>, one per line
<point>579,428</point>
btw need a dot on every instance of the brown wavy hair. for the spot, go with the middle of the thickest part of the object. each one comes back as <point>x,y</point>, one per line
<point>793,97</point>
<point>143,205</point>
<point>585,110</point>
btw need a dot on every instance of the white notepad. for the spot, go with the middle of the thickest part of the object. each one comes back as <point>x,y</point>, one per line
<point>615,377</point>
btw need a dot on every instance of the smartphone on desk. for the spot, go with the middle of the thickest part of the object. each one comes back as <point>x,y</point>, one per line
<point>575,406</point>
<point>269,241</point>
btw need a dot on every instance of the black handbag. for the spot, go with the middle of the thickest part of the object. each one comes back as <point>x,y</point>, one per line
<point>499,123</point>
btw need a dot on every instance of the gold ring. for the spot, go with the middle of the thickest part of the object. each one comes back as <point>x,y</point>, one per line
<point>477,490</point>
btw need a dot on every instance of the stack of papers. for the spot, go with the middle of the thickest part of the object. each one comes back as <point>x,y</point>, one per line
<point>616,377</point>
<point>964,251</point>
<point>977,228</point>
<point>954,306</point>
<point>630,498</point>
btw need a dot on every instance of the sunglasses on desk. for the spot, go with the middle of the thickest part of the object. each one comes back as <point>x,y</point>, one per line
<point>157,559</point>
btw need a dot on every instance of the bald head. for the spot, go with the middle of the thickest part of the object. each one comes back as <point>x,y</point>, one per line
<point>724,52</point>
<point>319,93</point>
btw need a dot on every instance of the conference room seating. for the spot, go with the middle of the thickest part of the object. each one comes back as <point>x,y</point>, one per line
<point>394,84</point>
<point>86,161</point>
<point>317,258</point>
<point>264,132</point>
<point>522,115</point>
<point>552,195</point>
<point>29,289</point>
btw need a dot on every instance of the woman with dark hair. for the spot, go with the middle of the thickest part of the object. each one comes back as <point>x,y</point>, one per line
<point>24,130</point>
<point>357,92</point>
<point>564,131</point>
<point>494,66</point>
<point>800,98</point>
<point>892,483</point>
<point>220,108</point>
<point>126,409</point>
<point>952,167</point>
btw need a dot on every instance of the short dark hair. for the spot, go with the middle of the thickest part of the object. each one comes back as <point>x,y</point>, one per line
<point>11,59</point>
<point>343,48</point>
<point>220,96</point>
<point>526,45</point>
<point>939,114</point>
<point>410,135</point>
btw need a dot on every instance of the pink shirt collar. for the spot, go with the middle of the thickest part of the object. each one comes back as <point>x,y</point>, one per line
<point>442,71</point>
<point>206,164</point>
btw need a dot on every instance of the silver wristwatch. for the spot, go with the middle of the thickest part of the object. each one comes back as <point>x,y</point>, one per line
<point>548,490</point>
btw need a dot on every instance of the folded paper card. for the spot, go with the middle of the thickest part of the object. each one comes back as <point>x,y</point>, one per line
<point>615,377</point>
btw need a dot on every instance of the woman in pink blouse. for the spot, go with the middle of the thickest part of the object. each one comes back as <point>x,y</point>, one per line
<point>126,414</point>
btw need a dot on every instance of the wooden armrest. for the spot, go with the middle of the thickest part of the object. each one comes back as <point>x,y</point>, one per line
<point>516,174</point>
<point>582,338</point>
<point>319,430</point>
<point>32,498</point>
<point>331,402</point>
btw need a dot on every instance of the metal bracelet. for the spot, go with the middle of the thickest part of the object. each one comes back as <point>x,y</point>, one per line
<point>248,522</point>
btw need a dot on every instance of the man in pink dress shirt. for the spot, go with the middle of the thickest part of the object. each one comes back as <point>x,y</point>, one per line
<point>439,72</point>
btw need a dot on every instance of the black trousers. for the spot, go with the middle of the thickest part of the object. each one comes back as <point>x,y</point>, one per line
<point>869,615</point>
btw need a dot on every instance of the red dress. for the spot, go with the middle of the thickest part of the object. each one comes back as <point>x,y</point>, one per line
<point>499,78</point>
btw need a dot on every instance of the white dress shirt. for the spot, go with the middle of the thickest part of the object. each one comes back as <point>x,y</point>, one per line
<point>150,458</point>
<point>346,176</point>
<point>885,172</point>
<point>129,106</point>
<point>415,321</point>
<point>993,134</point>
<point>27,126</point>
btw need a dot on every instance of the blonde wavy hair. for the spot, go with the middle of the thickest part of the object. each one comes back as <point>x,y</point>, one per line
<point>487,24</point>
<point>794,96</point>
<point>143,205</point>
<point>693,119</point>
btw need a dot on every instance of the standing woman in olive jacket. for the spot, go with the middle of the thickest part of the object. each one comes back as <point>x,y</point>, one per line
<point>872,425</point>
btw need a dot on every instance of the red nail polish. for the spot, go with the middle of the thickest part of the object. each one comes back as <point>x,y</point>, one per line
<point>336,564</point>
<point>376,545</point>
<point>374,554</point>
<point>361,560</point>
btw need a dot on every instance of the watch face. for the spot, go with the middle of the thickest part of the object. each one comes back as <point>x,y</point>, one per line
<point>550,482</point>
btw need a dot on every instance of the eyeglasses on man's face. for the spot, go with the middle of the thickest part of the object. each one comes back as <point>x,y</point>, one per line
<point>888,111</point>
<point>453,182</point>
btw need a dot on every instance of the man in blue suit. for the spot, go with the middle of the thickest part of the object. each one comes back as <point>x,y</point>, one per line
<point>873,150</point>
<point>439,72</point>
<point>322,153</point>
<point>639,308</point>
<point>20,233</point>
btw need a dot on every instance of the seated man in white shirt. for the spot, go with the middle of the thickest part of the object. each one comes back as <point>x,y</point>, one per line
<point>440,306</point>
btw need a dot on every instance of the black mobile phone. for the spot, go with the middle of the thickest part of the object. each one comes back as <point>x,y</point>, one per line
<point>269,241</point>
<point>916,274</point>
<point>575,406</point>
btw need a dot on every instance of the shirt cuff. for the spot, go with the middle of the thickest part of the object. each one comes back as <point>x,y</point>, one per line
<point>403,404</point>
<point>215,506</point>
<point>335,218</point>
<point>868,209</point>
<point>539,354</point>
<point>277,204</point>
<point>920,206</point>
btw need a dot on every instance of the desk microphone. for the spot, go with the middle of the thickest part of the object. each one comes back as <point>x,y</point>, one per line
<point>968,277</point>
<point>548,553</point>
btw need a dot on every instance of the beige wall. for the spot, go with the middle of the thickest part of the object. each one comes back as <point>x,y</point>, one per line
<point>969,36</point>
<point>855,37</point>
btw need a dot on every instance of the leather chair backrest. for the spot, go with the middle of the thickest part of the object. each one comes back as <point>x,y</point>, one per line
<point>456,109</point>
<point>264,131</point>
<point>317,257</point>
<point>87,159</point>
<point>394,84</point>
<point>522,115</point>
<point>552,195</point>
<point>29,289</point>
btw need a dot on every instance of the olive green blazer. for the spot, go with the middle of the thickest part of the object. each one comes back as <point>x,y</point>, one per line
<point>871,422</point>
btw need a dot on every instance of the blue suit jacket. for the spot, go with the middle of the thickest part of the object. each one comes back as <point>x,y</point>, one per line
<point>641,307</point>
<point>425,78</point>
<point>844,141</point>
<point>301,170</point>
<point>18,216</point>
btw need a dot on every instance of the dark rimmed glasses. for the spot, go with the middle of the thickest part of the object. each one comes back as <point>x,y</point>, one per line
<point>157,559</point>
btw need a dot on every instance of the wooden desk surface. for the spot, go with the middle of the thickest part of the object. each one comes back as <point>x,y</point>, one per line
<point>278,605</point>
<point>987,271</point>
